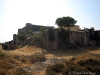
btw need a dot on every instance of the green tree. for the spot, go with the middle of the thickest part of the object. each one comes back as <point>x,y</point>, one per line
<point>65,22</point>
<point>59,22</point>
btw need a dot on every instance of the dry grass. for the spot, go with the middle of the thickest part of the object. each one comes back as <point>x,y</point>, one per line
<point>81,63</point>
<point>12,61</point>
<point>19,56</point>
<point>26,50</point>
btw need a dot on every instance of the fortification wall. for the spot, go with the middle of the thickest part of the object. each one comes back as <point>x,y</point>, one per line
<point>50,44</point>
<point>34,28</point>
<point>78,38</point>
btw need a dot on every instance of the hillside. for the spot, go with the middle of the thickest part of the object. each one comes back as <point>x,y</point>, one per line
<point>30,58</point>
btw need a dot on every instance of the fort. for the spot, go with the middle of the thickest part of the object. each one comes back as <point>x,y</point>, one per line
<point>69,39</point>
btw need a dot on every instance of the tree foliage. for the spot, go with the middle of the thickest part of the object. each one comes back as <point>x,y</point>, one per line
<point>65,21</point>
<point>59,22</point>
<point>21,37</point>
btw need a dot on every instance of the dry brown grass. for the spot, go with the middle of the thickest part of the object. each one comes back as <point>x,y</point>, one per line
<point>18,56</point>
<point>26,50</point>
<point>81,63</point>
<point>11,61</point>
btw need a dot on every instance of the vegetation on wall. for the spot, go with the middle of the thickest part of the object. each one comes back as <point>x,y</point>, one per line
<point>36,38</point>
<point>22,37</point>
<point>30,32</point>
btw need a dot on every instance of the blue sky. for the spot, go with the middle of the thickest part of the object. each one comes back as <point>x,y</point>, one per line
<point>15,13</point>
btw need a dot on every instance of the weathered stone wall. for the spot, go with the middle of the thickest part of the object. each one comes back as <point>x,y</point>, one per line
<point>75,37</point>
<point>9,45</point>
<point>29,26</point>
<point>78,38</point>
<point>50,44</point>
<point>73,28</point>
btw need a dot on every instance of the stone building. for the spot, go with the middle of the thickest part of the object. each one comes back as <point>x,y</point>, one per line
<point>9,45</point>
<point>52,40</point>
<point>34,28</point>
<point>73,28</point>
<point>50,44</point>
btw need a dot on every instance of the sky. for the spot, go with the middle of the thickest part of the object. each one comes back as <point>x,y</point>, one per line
<point>14,14</point>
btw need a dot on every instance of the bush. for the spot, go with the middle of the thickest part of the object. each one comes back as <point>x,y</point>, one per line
<point>71,65</point>
<point>77,66</point>
<point>95,68</point>
<point>65,71</point>
<point>21,37</point>
<point>57,68</point>
<point>37,38</point>
<point>91,62</point>
<point>81,70</point>
<point>30,32</point>
<point>92,65</point>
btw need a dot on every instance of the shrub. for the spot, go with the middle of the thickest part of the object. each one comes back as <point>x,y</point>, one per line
<point>65,71</point>
<point>30,32</point>
<point>77,66</point>
<point>57,68</point>
<point>81,70</point>
<point>37,38</point>
<point>91,62</point>
<point>70,64</point>
<point>21,37</point>
<point>95,68</point>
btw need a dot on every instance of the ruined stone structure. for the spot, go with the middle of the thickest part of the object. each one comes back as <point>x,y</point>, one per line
<point>74,37</point>
<point>48,43</point>
<point>15,42</point>
<point>9,45</point>
<point>34,28</point>
<point>73,28</point>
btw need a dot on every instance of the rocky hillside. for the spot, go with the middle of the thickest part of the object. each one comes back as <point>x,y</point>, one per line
<point>29,60</point>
